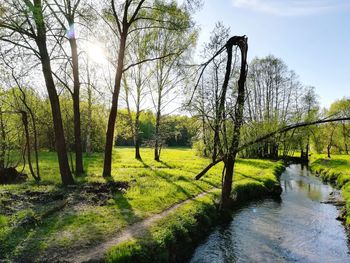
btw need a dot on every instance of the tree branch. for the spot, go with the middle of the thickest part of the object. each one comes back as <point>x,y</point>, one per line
<point>262,138</point>
<point>147,60</point>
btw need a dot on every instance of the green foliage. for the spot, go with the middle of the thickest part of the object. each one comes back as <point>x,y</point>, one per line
<point>178,130</point>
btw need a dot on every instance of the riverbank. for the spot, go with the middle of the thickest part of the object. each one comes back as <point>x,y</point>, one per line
<point>335,170</point>
<point>297,227</point>
<point>174,238</point>
<point>46,222</point>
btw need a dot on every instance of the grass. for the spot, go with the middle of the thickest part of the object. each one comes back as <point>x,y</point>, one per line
<point>173,238</point>
<point>335,170</point>
<point>154,186</point>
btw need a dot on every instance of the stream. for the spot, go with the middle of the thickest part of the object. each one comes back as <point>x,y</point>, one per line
<point>296,228</point>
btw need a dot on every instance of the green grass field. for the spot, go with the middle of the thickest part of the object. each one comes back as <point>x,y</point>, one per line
<point>154,186</point>
<point>335,170</point>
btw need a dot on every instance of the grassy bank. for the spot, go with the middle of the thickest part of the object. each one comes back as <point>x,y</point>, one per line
<point>336,171</point>
<point>45,220</point>
<point>174,238</point>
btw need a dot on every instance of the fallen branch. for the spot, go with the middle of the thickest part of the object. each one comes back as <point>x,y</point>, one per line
<point>291,127</point>
<point>198,176</point>
<point>266,136</point>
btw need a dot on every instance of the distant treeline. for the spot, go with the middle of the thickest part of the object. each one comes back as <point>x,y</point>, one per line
<point>176,130</point>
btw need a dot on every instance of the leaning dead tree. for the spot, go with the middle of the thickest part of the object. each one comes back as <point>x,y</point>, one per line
<point>232,114</point>
<point>229,117</point>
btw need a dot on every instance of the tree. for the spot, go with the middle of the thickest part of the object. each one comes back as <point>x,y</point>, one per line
<point>206,103</point>
<point>122,20</point>
<point>273,100</point>
<point>230,115</point>
<point>135,84</point>
<point>66,14</point>
<point>342,108</point>
<point>311,108</point>
<point>23,24</point>
<point>168,75</point>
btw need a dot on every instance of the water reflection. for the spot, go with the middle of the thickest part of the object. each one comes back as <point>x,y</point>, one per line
<point>296,229</point>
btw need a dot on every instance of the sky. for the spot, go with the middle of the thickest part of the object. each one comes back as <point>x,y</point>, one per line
<point>311,36</point>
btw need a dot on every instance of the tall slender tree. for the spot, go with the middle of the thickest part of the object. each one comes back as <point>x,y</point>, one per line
<point>122,18</point>
<point>66,14</point>
<point>23,24</point>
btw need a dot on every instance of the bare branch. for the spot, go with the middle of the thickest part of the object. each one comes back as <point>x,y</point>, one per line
<point>148,60</point>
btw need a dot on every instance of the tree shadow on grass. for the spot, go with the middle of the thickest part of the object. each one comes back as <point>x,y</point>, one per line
<point>254,163</point>
<point>76,227</point>
<point>168,178</point>
<point>145,165</point>
<point>166,164</point>
<point>251,177</point>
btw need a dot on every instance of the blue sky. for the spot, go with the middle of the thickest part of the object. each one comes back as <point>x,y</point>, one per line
<point>311,36</point>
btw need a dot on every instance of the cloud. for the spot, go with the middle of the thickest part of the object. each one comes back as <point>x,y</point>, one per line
<point>292,7</point>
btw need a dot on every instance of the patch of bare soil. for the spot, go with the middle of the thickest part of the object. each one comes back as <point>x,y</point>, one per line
<point>44,203</point>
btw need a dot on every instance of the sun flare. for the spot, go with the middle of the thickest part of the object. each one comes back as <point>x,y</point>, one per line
<point>96,52</point>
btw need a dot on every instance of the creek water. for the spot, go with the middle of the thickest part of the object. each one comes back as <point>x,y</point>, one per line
<point>295,228</point>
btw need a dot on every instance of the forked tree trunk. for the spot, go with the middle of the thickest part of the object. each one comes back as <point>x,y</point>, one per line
<point>107,165</point>
<point>231,156</point>
<point>60,142</point>
<point>329,150</point>
<point>29,155</point>
<point>35,133</point>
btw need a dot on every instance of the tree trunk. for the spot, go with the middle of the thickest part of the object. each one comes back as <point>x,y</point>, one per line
<point>216,142</point>
<point>29,155</point>
<point>137,150</point>
<point>205,153</point>
<point>113,113</point>
<point>137,135</point>
<point>2,141</point>
<point>36,151</point>
<point>307,152</point>
<point>227,183</point>
<point>157,131</point>
<point>266,150</point>
<point>89,112</point>
<point>79,168</point>
<point>60,142</point>
<point>239,108</point>
<point>345,136</point>
<point>329,150</point>
<point>274,150</point>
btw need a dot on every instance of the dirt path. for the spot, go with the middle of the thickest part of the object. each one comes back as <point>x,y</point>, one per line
<point>96,254</point>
